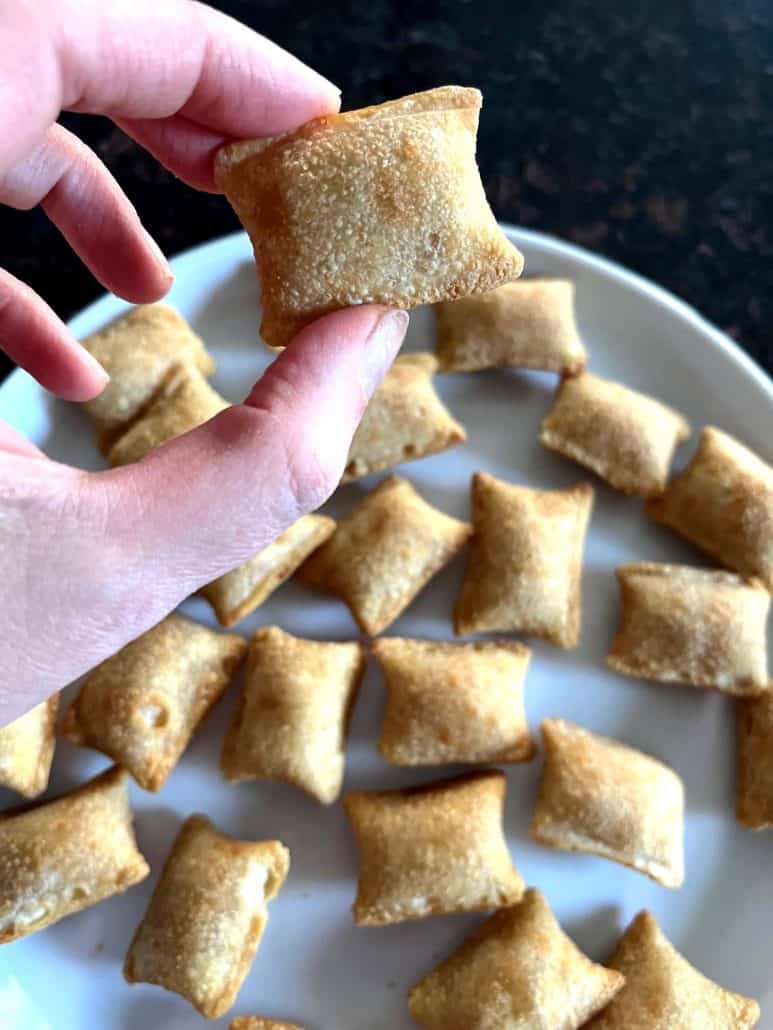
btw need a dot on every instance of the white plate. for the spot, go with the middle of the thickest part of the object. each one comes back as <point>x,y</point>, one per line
<point>313,966</point>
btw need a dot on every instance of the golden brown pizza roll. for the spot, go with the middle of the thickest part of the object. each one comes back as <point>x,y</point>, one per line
<point>207,914</point>
<point>189,402</point>
<point>703,627</point>
<point>404,420</point>
<point>66,855</point>
<point>293,716</point>
<point>27,749</point>
<point>523,569</point>
<point>603,798</point>
<point>518,971</point>
<point>723,503</point>
<point>663,991</point>
<point>432,850</point>
<point>454,702</point>
<point>141,351</point>
<point>241,591</point>
<point>528,324</point>
<point>258,1023</point>
<point>623,436</point>
<point>754,804</point>
<point>142,706</point>
<point>382,205</point>
<point>384,552</point>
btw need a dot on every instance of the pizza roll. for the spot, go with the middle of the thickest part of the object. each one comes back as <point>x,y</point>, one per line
<point>523,569</point>
<point>703,627</point>
<point>723,503</point>
<point>404,420</point>
<point>603,798</point>
<point>257,1023</point>
<point>528,324</point>
<point>432,850</point>
<point>27,749</point>
<point>517,971</point>
<point>382,205</point>
<point>142,706</point>
<point>663,991</point>
<point>384,552</point>
<point>454,702</point>
<point>241,591</point>
<point>754,805</point>
<point>66,855</point>
<point>189,402</point>
<point>293,716</point>
<point>207,914</point>
<point>141,351</point>
<point>622,435</point>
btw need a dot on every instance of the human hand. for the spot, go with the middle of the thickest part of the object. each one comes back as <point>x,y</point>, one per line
<point>88,561</point>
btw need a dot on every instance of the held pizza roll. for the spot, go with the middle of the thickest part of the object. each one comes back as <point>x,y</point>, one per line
<point>384,552</point>
<point>528,324</point>
<point>404,420</point>
<point>623,436</point>
<point>142,706</point>
<point>27,749</point>
<point>293,716</point>
<point>454,702</point>
<point>602,798</point>
<point>257,1023</point>
<point>523,570</point>
<point>432,850</point>
<point>517,971</point>
<point>141,351</point>
<point>241,591</point>
<point>66,855</point>
<point>723,503</point>
<point>382,205</point>
<point>207,915</point>
<point>754,805</point>
<point>663,991</point>
<point>702,627</point>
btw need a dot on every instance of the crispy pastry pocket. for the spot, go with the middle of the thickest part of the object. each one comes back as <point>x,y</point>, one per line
<point>258,1023</point>
<point>27,749</point>
<point>754,804</point>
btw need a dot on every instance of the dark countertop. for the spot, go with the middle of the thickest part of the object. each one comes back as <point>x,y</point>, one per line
<point>645,135</point>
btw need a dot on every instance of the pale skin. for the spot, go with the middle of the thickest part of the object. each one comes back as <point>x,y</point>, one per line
<point>88,561</point>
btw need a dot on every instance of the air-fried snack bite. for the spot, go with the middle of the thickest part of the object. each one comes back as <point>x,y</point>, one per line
<point>663,991</point>
<point>257,1023</point>
<point>451,702</point>
<point>432,850</point>
<point>723,503</point>
<point>681,624</point>
<point>622,435</point>
<point>27,748</point>
<point>293,715</point>
<point>404,420</point>
<point>517,971</point>
<point>142,706</point>
<point>523,569</point>
<point>528,324</point>
<point>384,552</point>
<point>66,855</point>
<point>241,591</point>
<point>141,351</point>
<point>754,803</point>
<point>603,798</point>
<point>207,914</point>
<point>383,204</point>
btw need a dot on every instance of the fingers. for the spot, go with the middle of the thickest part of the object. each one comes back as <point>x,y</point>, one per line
<point>12,442</point>
<point>185,148</point>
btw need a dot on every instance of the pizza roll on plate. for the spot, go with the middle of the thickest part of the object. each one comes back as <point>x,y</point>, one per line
<point>723,503</point>
<point>528,324</point>
<point>27,749</point>
<point>207,915</point>
<point>602,798</point>
<point>142,706</point>
<point>624,436</point>
<point>517,971</point>
<point>702,627</point>
<point>754,804</point>
<point>381,205</point>
<point>258,1023</point>
<point>523,569</point>
<point>66,855</point>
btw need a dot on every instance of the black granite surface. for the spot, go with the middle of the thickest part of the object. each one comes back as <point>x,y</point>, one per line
<point>642,130</point>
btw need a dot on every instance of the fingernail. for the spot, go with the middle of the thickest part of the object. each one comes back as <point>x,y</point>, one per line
<point>382,346</point>
<point>158,254</point>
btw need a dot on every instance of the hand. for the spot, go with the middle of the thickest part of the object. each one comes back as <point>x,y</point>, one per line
<point>88,561</point>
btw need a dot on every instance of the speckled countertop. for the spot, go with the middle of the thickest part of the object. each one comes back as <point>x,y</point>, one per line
<point>643,131</point>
